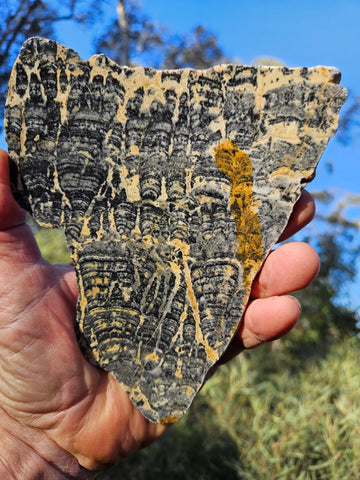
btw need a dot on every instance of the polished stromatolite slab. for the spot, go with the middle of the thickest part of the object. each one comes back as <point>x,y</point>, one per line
<point>171,187</point>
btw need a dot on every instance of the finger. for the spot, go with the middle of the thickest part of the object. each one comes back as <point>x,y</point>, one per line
<point>290,267</point>
<point>265,319</point>
<point>303,213</point>
<point>11,214</point>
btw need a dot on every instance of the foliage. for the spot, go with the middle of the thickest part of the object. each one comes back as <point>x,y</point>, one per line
<point>52,245</point>
<point>131,35</point>
<point>200,49</point>
<point>278,424</point>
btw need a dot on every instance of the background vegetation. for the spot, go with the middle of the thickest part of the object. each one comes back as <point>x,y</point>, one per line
<point>289,410</point>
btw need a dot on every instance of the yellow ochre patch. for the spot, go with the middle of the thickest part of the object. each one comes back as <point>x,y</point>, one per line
<point>237,166</point>
<point>170,419</point>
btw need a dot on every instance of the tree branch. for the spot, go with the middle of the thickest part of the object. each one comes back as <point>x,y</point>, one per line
<point>124,32</point>
<point>18,27</point>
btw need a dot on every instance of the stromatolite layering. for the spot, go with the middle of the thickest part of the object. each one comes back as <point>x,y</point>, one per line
<point>171,187</point>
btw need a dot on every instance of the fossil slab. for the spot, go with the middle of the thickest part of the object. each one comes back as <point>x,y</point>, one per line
<point>171,187</point>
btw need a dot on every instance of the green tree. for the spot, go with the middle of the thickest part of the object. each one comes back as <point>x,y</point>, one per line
<point>199,49</point>
<point>131,36</point>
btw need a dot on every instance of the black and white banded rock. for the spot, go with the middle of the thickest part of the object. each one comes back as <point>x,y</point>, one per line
<point>171,186</point>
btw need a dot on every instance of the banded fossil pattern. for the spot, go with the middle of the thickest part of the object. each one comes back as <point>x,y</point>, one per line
<point>171,186</point>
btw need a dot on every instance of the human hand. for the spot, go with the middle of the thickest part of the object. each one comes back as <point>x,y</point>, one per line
<point>53,401</point>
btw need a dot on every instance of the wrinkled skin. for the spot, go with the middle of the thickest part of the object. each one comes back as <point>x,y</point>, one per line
<point>48,391</point>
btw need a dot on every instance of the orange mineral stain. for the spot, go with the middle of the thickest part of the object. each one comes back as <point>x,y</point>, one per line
<point>236,165</point>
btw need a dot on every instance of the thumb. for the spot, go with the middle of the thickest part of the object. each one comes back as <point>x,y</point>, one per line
<point>11,214</point>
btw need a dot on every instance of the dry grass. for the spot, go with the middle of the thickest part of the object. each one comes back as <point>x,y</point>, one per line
<point>277,422</point>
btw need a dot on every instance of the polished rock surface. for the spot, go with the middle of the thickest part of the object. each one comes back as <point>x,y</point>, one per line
<point>171,186</point>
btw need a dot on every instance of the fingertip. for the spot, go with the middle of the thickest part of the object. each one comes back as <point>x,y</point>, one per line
<point>288,268</point>
<point>268,319</point>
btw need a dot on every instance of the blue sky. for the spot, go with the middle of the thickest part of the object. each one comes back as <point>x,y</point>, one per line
<point>299,33</point>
